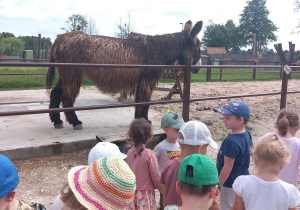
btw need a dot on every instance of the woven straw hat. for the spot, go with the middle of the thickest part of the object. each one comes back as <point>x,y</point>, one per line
<point>108,183</point>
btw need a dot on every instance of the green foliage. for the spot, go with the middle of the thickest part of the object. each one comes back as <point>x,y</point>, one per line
<point>219,35</point>
<point>10,44</point>
<point>254,19</point>
<point>124,29</point>
<point>31,42</point>
<point>76,22</point>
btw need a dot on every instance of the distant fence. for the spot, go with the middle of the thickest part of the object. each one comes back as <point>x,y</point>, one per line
<point>186,100</point>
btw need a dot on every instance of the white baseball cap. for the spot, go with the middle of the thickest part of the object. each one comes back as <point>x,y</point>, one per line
<point>103,149</point>
<point>196,133</point>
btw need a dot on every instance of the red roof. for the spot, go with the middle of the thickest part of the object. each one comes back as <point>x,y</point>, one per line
<point>215,50</point>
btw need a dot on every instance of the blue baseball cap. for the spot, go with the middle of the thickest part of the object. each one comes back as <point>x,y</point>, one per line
<point>238,107</point>
<point>9,178</point>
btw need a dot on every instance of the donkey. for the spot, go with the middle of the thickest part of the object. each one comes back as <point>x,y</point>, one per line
<point>76,47</point>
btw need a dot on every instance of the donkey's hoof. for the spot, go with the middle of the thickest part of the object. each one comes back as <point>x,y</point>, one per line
<point>59,126</point>
<point>78,127</point>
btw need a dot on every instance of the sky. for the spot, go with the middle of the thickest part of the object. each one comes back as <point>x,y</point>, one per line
<point>47,17</point>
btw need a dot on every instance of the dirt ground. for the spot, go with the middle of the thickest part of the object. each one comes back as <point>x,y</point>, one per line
<point>42,178</point>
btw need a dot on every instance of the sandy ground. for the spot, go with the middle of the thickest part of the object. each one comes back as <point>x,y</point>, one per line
<point>42,178</point>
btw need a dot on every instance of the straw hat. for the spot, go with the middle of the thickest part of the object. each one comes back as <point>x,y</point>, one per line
<point>108,183</point>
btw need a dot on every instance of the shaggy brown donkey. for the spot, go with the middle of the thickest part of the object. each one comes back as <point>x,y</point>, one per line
<point>76,47</point>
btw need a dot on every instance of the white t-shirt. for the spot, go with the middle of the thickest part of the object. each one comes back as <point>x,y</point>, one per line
<point>258,194</point>
<point>165,151</point>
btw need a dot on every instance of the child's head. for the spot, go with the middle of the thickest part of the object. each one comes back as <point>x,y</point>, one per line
<point>108,183</point>
<point>238,108</point>
<point>103,149</point>
<point>9,179</point>
<point>287,118</point>
<point>140,132</point>
<point>198,176</point>
<point>8,175</point>
<point>171,122</point>
<point>194,134</point>
<point>271,154</point>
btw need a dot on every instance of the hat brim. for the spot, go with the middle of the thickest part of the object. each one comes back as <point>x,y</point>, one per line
<point>123,156</point>
<point>213,145</point>
<point>223,111</point>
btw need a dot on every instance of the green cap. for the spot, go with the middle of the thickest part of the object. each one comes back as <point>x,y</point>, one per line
<point>171,119</point>
<point>204,170</point>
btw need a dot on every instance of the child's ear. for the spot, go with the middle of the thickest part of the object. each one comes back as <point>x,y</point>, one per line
<point>178,188</point>
<point>10,196</point>
<point>199,148</point>
<point>213,192</point>
<point>165,130</point>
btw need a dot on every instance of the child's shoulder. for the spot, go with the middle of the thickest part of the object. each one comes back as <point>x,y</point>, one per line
<point>171,164</point>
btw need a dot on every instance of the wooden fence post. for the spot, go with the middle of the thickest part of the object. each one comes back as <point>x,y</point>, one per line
<point>221,70</point>
<point>208,72</point>
<point>254,70</point>
<point>285,77</point>
<point>187,90</point>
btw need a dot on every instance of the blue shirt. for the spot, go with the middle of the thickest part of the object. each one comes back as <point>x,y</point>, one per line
<point>236,146</point>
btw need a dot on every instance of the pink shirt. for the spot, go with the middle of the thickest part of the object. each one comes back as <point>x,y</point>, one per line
<point>145,169</point>
<point>169,177</point>
<point>290,173</point>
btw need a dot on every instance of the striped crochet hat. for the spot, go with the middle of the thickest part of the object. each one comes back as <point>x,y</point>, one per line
<point>108,183</point>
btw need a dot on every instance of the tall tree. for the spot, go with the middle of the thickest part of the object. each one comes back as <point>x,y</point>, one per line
<point>219,35</point>
<point>76,22</point>
<point>91,27</point>
<point>124,29</point>
<point>254,20</point>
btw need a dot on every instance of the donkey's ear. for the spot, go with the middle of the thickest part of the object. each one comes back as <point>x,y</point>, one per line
<point>196,30</point>
<point>188,26</point>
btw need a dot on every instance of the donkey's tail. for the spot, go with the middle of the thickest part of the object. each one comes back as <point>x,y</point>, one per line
<point>50,74</point>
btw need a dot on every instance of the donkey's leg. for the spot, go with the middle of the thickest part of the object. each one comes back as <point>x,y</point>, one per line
<point>70,92</point>
<point>55,99</point>
<point>143,94</point>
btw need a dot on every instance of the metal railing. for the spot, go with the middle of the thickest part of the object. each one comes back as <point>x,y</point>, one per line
<point>186,90</point>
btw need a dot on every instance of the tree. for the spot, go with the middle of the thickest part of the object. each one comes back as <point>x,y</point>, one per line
<point>11,45</point>
<point>76,22</point>
<point>91,27</point>
<point>254,20</point>
<point>31,42</point>
<point>7,34</point>
<point>124,29</point>
<point>219,35</point>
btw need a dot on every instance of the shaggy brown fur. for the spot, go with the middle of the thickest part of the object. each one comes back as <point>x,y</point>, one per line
<point>76,47</point>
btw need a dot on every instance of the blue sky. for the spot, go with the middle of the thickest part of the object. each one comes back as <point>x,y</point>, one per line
<point>31,17</point>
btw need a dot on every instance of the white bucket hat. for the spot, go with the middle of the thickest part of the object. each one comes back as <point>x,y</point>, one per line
<point>103,149</point>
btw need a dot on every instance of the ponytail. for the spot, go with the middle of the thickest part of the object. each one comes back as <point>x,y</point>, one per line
<point>287,118</point>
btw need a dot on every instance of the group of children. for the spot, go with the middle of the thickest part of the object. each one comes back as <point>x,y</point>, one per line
<point>180,170</point>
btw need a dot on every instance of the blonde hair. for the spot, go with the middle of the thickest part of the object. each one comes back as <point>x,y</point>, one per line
<point>287,118</point>
<point>69,199</point>
<point>271,153</point>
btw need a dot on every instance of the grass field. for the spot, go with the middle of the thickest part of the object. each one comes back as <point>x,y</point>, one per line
<point>25,82</point>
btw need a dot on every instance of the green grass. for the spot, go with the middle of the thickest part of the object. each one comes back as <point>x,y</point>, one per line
<point>25,82</point>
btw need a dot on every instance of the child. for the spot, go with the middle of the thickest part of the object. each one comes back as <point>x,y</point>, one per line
<point>287,125</point>
<point>169,148</point>
<point>143,163</point>
<point>265,190</point>
<point>233,158</point>
<point>108,183</point>
<point>197,182</point>
<point>103,149</point>
<point>9,180</point>
<point>193,137</point>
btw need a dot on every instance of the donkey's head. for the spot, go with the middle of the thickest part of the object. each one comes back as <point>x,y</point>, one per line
<point>191,45</point>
